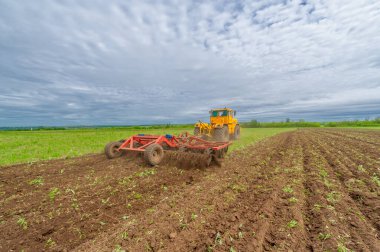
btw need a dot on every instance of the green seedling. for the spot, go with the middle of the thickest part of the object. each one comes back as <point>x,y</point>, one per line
<point>50,243</point>
<point>182,223</point>
<point>37,181</point>
<point>376,180</point>
<point>53,193</point>
<point>238,188</point>
<point>150,210</point>
<point>124,235</point>
<point>105,201</point>
<point>22,223</point>
<point>218,239</point>
<point>292,224</point>
<point>287,189</point>
<point>80,233</point>
<point>360,215</point>
<point>69,190</point>
<point>323,173</point>
<point>323,236</point>
<point>361,168</point>
<point>125,181</point>
<point>137,196</point>
<point>193,216</point>
<point>146,173</point>
<point>293,200</point>
<point>327,183</point>
<point>75,204</point>
<point>342,248</point>
<point>333,197</point>
<point>118,248</point>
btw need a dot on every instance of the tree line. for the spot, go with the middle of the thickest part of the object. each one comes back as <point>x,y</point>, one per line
<point>303,124</point>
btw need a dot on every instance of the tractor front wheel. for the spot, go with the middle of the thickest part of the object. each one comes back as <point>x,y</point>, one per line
<point>237,132</point>
<point>154,154</point>
<point>197,131</point>
<point>111,150</point>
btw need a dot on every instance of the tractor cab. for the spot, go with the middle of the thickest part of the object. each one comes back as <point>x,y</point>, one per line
<point>222,116</point>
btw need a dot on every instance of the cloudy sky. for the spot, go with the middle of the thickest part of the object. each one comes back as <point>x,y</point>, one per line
<point>85,62</point>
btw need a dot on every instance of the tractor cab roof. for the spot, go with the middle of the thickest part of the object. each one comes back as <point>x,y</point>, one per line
<point>221,109</point>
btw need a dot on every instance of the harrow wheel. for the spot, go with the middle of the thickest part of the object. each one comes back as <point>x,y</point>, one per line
<point>154,154</point>
<point>221,153</point>
<point>111,150</point>
<point>208,157</point>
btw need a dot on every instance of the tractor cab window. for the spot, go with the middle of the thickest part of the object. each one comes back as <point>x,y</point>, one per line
<point>216,113</point>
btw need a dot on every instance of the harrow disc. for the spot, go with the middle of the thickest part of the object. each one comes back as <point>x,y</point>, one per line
<point>188,159</point>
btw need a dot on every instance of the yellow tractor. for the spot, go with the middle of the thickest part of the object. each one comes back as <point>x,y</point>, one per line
<point>223,126</point>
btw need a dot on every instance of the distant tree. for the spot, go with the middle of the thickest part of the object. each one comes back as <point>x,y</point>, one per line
<point>301,120</point>
<point>287,120</point>
<point>254,123</point>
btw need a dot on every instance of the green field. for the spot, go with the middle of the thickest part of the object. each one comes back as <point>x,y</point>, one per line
<point>30,146</point>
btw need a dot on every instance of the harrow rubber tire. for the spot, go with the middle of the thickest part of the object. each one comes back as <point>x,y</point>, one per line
<point>111,150</point>
<point>154,154</point>
<point>237,132</point>
<point>221,153</point>
<point>197,131</point>
<point>208,160</point>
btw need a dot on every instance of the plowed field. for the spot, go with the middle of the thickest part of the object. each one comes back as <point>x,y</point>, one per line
<point>304,190</point>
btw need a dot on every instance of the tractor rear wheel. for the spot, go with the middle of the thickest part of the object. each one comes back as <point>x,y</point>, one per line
<point>221,134</point>
<point>197,131</point>
<point>111,150</point>
<point>237,132</point>
<point>226,133</point>
<point>154,154</point>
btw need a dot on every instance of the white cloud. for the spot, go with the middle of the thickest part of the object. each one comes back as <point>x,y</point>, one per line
<point>170,61</point>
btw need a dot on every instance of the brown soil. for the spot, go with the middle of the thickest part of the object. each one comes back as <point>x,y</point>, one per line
<point>306,190</point>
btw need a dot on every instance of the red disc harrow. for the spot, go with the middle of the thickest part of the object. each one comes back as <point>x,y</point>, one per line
<point>184,148</point>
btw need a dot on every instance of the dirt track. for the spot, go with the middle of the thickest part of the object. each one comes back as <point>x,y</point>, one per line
<point>312,190</point>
